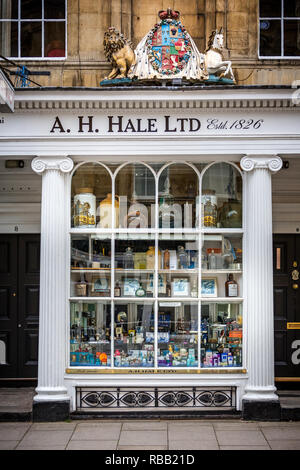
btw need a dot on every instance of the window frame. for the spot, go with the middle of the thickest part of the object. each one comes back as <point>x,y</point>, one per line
<point>199,231</point>
<point>42,20</point>
<point>282,19</point>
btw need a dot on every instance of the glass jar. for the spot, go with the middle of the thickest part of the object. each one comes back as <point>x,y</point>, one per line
<point>209,208</point>
<point>84,209</point>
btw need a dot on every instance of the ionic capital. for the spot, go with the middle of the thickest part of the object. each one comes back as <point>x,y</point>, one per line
<point>43,163</point>
<point>251,162</point>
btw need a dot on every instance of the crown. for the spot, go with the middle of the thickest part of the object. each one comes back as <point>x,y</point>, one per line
<point>168,14</point>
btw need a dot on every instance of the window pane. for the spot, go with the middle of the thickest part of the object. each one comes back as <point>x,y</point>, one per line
<point>270,8</point>
<point>90,334</point>
<point>177,335</point>
<point>221,335</point>
<point>9,9</point>
<point>54,39</point>
<point>91,194</point>
<point>134,334</point>
<point>9,38</point>
<point>31,9</point>
<point>178,197</point>
<point>135,194</point>
<point>270,38</point>
<point>221,199</point>
<point>292,38</point>
<point>178,265</point>
<point>90,265</point>
<point>31,39</point>
<point>292,8</point>
<point>134,265</point>
<point>54,9</point>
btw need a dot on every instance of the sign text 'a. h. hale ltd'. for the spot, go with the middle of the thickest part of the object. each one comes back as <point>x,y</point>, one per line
<point>140,125</point>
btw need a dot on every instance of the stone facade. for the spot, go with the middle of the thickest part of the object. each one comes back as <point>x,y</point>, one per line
<point>87,20</point>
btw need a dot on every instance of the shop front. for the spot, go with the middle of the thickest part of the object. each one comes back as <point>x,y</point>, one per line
<point>156,271</point>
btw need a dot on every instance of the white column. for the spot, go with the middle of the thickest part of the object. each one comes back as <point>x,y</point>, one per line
<point>52,329</point>
<point>259,276</point>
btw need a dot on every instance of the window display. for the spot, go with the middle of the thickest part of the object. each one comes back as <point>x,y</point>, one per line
<point>90,334</point>
<point>133,334</point>
<point>168,296</point>
<point>221,335</point>
<point>177,335</point>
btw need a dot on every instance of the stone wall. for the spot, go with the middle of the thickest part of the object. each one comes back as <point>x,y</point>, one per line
<point>88,20</point>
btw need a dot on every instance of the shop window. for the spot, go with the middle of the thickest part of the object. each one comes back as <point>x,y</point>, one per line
<point>33,29</point>
<point>279,28</point>
<point>156,278</point>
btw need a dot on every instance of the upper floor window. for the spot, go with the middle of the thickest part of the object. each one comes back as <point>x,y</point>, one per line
<point>279,25</point>
<point>33,29</point>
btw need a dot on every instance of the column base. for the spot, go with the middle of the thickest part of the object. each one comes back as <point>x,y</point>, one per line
<point>264,410</point>
<point>50,411</point>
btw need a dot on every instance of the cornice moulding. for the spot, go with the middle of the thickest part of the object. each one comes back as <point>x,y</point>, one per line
<point>144,99</point>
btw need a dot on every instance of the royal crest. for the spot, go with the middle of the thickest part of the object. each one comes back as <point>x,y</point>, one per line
<point>169,46</point>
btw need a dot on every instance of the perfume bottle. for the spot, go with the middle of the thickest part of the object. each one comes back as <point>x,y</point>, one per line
<point>194,290</point>
<point>128,259</point>
<point>117,290</point>
<point>231,287</point>
<point>212,260</point>
<point>183,258</point>
<point>166,259</point>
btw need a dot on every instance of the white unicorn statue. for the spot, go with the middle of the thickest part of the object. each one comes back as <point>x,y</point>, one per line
<point>213,59</point>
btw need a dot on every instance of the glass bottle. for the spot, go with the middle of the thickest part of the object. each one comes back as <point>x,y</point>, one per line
<point>231,287</point>
<point>128,259</point>
<point>194,291</point>
<point>166,259</point>
<point>212,260</point>
<point>117,290</point>
<point>183,258</point>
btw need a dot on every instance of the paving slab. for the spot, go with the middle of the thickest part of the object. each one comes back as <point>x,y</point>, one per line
<point>191,432</point>
<point>45,439</point>
<point>92,445</point>
<point>13,431</point>
<point>241,437</point>
<point>284,445</point>
<point>145,426</point>
<point>8,445</point>
<point>193,445</point>
<point>282,433</point>
<point>99,431</point>
<point>143,438</point>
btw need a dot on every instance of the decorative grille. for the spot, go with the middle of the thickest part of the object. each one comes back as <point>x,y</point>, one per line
<point>195,397</point>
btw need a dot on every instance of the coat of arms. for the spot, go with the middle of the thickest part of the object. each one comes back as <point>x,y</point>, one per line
<point>168,52</point>
<point>169,47</point>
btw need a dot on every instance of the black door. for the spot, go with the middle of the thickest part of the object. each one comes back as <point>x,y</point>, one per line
<point>286,259</point>
<point>19,305</point>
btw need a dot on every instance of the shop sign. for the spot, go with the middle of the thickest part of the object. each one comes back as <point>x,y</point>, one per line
<point>162,123</point>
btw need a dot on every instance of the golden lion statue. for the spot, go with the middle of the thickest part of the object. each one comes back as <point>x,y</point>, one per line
<point>119,51</point>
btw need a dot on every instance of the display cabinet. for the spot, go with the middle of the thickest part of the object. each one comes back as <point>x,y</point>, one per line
<point>156,266</point>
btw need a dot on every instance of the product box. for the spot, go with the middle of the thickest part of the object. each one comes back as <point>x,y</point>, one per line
<point>173,259</point>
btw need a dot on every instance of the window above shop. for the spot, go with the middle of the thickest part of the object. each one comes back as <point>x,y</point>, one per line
<point>33,29</point>
<point>279,29</point>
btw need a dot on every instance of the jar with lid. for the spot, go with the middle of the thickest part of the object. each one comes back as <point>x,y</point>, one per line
<point>128,259</point>
<point>84,209</point>
<point>209,208</point>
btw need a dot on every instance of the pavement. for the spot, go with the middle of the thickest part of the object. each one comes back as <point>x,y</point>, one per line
<point>157,435</point>
<point>18,432</point>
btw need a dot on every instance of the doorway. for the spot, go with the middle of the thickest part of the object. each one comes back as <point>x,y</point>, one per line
<point>19,305</point>
<point>286,259</point>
